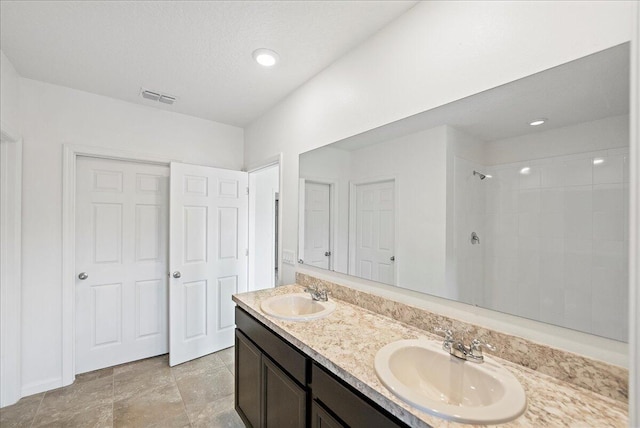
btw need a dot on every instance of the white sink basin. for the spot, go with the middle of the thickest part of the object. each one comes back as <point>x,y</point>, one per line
<point>297,307</point>
<point>419,372</point>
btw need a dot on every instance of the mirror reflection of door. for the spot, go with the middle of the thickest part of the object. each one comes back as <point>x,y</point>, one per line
<point>317,224</point>
<point>375,227</point>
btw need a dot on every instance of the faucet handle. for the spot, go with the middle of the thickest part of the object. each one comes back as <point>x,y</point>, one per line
<point>318,293</point>
<point>448,338</point>
<point>323,294</point>
<point>448,334</point>
<point>475,351</point>
<point>478,344</point>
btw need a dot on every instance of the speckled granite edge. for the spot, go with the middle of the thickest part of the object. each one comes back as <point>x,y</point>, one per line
<point>602,378</point>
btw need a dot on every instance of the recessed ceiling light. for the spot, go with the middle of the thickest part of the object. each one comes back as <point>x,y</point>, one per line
<point>526,170</point>
<point>538,122</point>
<point>266,57</point>
<point>598,161</point>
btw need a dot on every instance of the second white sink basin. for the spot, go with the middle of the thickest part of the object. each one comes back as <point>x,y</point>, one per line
<point>297,307</point>
<point>419,372</point>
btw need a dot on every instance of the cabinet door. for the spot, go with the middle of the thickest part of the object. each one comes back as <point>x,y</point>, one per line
<point>248,364</point>
<point>320,418</point>
<point>284,404</point>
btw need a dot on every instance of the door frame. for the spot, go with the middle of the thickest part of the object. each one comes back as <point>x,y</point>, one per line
<point>11,271</point>
<point>266,163</point>
<point>333,217</point>
<point>70,153</point>
<point>634,227</point>
<point>277,227</point>
<point>352,219</point>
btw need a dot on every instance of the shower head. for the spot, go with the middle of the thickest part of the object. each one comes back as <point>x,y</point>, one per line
<point>481,175</point>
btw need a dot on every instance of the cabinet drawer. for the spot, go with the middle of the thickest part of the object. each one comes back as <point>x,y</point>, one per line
<point>273,345</point>
<point>345,402</point>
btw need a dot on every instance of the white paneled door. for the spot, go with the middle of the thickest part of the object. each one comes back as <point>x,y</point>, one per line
<point>317,226</point>
<point>208,261</point>
<point>375,231</point>
<point>121,262</point>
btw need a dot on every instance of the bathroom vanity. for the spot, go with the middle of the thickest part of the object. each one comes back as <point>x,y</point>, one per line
<point>320,373</point>
<point>277,385</point>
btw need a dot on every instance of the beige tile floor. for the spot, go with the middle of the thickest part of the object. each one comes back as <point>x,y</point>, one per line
<point>145,393</point>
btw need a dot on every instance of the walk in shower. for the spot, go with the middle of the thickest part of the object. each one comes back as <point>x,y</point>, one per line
<point>553,230</point>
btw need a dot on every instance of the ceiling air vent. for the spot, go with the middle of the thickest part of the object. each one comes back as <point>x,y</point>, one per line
<point>150,95</point>
<point>167,99</point>
<point>157,96</point>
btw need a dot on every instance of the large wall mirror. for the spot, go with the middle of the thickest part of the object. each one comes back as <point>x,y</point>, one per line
<point>515,199</point>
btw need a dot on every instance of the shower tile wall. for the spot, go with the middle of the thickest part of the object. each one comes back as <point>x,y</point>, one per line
<point>556,244</point>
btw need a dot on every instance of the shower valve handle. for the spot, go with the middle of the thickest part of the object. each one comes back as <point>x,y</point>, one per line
<point>475,239</point>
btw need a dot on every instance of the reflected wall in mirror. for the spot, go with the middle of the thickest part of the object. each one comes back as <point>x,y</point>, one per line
<point>474,202</point>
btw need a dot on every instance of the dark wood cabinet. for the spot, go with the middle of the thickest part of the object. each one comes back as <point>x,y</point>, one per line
<point>269,394</point>
<point>248,374</point>
<point>320,418</point>
<point>279,387</point>
<point>284,402</point>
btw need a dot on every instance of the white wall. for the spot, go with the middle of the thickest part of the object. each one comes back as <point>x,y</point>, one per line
<point>52,116</point>
<point>10,99</point>
<point>10,232</point>
<point>435,53</point>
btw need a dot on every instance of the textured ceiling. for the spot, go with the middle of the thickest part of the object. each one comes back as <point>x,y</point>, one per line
<point>199,52</point>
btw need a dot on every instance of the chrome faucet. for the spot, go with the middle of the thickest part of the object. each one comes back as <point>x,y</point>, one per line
<point>317,293</point>
<point>455,347</point>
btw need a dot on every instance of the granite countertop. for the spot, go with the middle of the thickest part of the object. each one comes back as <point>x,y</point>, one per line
<point>346,343</point>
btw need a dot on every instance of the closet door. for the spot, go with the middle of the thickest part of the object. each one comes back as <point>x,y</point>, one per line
<point>121,262</point>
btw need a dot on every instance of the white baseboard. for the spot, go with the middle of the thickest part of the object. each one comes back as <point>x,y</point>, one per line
<point>36,387</point>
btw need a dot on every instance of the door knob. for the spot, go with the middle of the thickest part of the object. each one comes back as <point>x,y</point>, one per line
<point>83,276</point>
<point>177,274</point>
<point>392,258</point>
<point>327,253</point>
